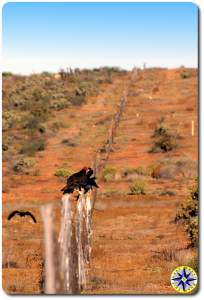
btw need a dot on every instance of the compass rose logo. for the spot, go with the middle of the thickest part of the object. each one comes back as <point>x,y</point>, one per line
<point>184,279</point>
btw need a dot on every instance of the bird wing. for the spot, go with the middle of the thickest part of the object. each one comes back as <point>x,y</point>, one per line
<point>75,177</point>
<point>27,213</point>
<point>11,215</point>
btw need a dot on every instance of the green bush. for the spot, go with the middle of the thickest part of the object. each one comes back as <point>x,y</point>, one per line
<point>109,173</point>
<point>23,165</point>
<point>62,172</point>
<point>188,213</point>
<point>138,188</point>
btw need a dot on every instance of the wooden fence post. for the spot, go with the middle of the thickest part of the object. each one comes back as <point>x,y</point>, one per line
<point>50,280</point>
<point>68,247</point>
<point>74,241</point>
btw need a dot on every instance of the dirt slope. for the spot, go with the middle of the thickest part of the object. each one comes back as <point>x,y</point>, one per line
<point>136,244</point>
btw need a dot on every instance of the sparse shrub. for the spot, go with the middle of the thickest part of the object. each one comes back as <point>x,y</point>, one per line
<point>109,173</point>
<point>87,88</point>
<point>62,172</point>
<point>57,125</point>
<point>31,122</point>
<point>188,213</point>
<point>24,165</point>
<point>5,146</point>
<point>164,144</point>
<point>164,141</point>
<point>155,172</point>
<point>185,74</point>
<point>59,104</point>
<point>31,147</point>
<point>42,129</point>
<point>78,100</point>
<point>7,74</point>
<point>139,170</point>
<point>168,193</point>
<point>9,120</point>
<point>166,255</point>
<point>80,91</point>
<point>138,188</point>
<point>69,143</point>
<point>163,172</point>
<point>160,128</point>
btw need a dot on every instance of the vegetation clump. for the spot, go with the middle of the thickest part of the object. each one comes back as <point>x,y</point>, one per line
<point>33,146</point>
<point>62,172</point>
<point>138,188</point>
<point>23,165</point>
<point>138,170</point>
<point>185,75</point>
<point>164,140</point>
<point>109,173</point>
<point>188,213</point>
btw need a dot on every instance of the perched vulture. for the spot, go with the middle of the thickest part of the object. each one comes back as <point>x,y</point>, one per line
<point>81,179</point>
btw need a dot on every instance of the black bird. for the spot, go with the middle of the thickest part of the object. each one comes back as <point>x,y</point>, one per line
<point>91,181</point>
<point>75,181</point>
<point>81,179</point>
<point>21,214</point>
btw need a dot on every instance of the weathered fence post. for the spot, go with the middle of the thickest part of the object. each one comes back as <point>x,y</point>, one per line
<point>50,280</point>
<point>68,248</point>
<point>74,241</point>
<point>83,235</point>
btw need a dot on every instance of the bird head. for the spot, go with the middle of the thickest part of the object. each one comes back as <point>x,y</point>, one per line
<point>85,169</point>
<point>89,172</point>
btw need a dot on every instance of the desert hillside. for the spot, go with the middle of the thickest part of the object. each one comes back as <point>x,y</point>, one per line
<point>54,124</point>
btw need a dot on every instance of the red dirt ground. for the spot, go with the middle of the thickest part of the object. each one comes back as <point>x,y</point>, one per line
<point>136,244</point>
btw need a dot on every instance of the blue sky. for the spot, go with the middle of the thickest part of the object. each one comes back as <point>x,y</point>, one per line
<point>48,36</point>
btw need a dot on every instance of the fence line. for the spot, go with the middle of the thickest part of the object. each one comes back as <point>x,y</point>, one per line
<point>76,225</point>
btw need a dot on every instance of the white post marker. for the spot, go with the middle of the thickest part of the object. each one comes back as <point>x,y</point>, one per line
<point>192,127</point>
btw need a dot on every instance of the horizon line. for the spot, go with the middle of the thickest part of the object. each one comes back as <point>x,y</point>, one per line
<point>33,72</point>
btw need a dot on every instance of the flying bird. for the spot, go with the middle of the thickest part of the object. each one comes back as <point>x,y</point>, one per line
<point>21,214</point>
<point>81,179</point>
